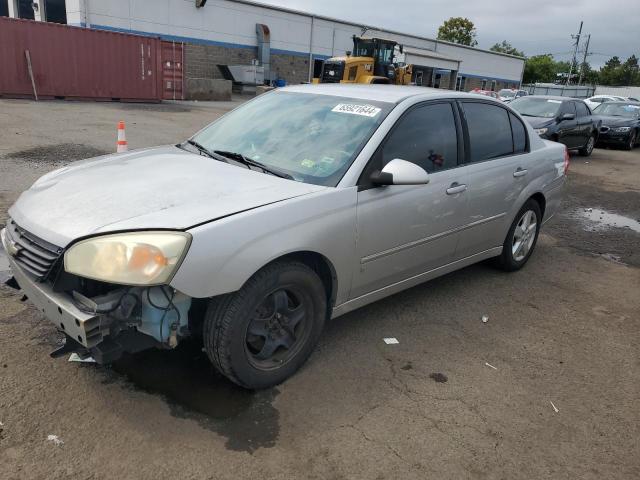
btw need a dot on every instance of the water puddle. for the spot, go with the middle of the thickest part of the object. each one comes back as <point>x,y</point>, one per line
<point>187,381</point>
<point>600,220</point>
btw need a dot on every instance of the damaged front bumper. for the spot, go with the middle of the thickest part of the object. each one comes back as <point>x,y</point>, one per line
<point>126,319</point>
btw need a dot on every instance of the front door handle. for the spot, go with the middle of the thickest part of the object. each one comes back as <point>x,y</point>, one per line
<point>520,172</point>
<point>456,188</point>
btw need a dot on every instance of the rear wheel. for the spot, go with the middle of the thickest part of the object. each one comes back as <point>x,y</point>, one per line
<point>259,336</point>
<point>588,148</point>
<point>521,238</point>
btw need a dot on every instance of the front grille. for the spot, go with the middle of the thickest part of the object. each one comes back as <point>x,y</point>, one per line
<point>35,255</point>
<point>332,72</point>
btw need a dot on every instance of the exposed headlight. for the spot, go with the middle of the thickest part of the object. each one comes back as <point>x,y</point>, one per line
<point>621,129</point>
<point>137,258</point>
<point>540,131</point>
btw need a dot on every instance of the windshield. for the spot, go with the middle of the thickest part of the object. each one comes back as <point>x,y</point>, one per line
<point>507,93</point>
<point>313,138</point>
<point>536,107</point>
<point>618,110</point>
<point>364,48</point>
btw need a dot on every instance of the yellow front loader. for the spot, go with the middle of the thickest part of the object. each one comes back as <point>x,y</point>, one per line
<point>372,61</point>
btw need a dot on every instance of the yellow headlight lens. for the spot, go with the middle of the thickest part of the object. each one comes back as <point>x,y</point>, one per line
<point>139,258</point>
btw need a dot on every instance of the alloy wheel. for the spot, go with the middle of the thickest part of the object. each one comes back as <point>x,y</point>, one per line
<point>524,235</point>
<point>590,144</point>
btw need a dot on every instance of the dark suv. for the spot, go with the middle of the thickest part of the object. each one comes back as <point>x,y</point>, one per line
<point>561,119</point>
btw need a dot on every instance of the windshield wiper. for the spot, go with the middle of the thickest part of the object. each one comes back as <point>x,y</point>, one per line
<point>204,150</point>
<point>238,157</point>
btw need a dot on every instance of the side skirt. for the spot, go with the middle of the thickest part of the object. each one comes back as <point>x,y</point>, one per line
<point>412,281</point>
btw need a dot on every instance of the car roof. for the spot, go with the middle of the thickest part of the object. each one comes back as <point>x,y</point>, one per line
<point>381,93</point>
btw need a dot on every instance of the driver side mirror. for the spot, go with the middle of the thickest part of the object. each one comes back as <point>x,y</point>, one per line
<point>567,116</point>
<point>400,172</point>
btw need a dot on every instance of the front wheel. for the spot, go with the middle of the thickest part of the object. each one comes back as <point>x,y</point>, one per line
<point>632,141</point>
<point>259,336</point>
<point>588,148</point>
<point>521,238</point>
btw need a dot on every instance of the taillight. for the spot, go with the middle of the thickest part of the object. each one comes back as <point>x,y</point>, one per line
<point>566,160</point>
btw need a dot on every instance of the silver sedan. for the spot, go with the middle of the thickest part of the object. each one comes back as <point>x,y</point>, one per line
<point>298,206</point>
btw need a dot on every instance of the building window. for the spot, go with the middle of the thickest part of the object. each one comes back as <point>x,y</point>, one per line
<point>436,82</point>
<point>461,83</point>
<point>493,85</point>
<point>56,11</point>
<point>419,76</point>
<point>25,10</point>
<point>484,85</point>
<point>4,8</point>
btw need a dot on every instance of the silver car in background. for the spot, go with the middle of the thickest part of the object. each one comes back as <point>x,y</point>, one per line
<point>299,206</point>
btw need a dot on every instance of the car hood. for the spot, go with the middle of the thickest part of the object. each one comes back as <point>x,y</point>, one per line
<point>616,121</point>
<point>539,122</point>
<point>158,188</point>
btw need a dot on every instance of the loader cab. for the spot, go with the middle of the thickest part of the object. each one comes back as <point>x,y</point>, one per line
<point>382,51</point>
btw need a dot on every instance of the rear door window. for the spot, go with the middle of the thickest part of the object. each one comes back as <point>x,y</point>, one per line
<point>489,131</point>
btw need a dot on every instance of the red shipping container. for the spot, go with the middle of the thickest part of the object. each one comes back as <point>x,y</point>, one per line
<point>75,62</point>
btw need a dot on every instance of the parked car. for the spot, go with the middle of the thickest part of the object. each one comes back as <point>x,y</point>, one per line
<point>486,93</point>
<point>561,119</point>
<point>620,124</point>
<point>301,205</point>
<point>596,100</point>
<point>509,94</point>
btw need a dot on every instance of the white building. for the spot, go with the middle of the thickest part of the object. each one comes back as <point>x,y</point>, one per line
<point>224,32</point>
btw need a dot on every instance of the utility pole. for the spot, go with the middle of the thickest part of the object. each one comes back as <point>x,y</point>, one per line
<point>575,52</point>
<point>584,59</point>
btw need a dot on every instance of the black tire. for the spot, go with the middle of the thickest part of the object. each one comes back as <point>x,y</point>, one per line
<point>241,329</point>
<point>587,150</point>
<point>632,141</point>
<point>509,260</point>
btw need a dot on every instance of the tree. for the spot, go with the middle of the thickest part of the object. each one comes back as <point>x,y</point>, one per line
<point>506,47</point>
<point>540,68</point>
<point>458,30</point>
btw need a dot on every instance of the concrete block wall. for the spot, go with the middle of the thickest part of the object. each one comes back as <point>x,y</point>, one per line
<point>201,61</point>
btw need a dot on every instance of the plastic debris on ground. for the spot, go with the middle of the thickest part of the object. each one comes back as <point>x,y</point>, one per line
<point>55,439</point>
<point>588,209</point>
<point>391,341</point>
<point>490,366</point>
<point>74,357</point>
<point>485,318</point>
<point>555,409</point>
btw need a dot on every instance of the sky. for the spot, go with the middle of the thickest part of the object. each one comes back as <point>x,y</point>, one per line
<point>536,27</point>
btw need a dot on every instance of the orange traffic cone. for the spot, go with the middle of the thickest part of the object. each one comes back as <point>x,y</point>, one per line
<point>121,144</point>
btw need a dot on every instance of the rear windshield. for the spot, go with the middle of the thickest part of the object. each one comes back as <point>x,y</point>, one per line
<point>313,138</point>
<point>536,107</point>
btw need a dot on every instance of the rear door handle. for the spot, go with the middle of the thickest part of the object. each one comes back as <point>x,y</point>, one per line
<point>520,172</point>
<point>456,188</point>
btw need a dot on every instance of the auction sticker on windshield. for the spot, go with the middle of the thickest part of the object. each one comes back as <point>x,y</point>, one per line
<point>364,110</point>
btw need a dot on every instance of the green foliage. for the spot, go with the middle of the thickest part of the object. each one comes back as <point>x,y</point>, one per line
<point>541,68</point>
<point>614,72</point>
<point>458,30</point>
<point>506,47</point>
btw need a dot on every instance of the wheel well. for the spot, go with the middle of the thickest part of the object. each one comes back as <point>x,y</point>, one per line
<point>539,197</point>
<point>322,266</point>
